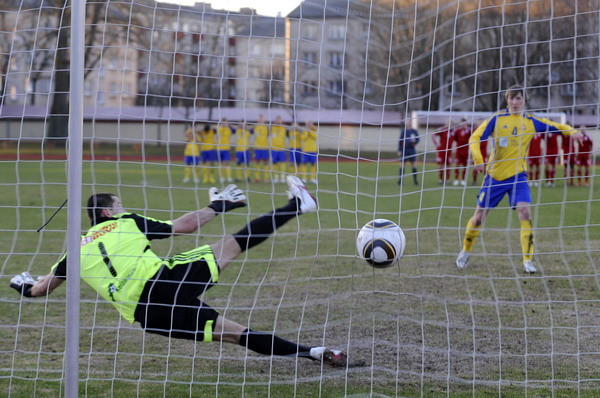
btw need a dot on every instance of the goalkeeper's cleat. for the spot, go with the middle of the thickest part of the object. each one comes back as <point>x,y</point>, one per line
<point>462,260</point>
<point>335,358</point>
<point>528,267</point>
<point>186,180</point>
<point>308,203</point>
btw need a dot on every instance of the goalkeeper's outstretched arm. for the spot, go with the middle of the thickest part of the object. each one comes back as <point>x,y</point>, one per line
<point>28,287</point>
<point>231,197</point>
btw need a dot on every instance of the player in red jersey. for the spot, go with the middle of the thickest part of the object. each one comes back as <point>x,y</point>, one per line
<point>551,141</point>
<point>584,154</point>
<point>534,159</point>
<point>443,142</point>
<point>461,156</point>
<point>569,157</point>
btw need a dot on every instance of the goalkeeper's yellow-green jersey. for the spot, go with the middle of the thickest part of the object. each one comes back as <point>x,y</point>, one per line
<point>117,260</point>
<point>511,135</point>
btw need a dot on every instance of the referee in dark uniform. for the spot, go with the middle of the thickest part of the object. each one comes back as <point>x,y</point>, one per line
<point>407,151</point>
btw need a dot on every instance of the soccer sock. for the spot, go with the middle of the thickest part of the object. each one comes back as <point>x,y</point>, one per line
<point>187,172</point>
<point>267,171</point>
<point>401,172</point>
<point>313,172</point>
<point>471,233</point>
<point>269,344</point>
<point>228,172</point>
<point>259,229</point>
<point>526,240</point>
<point>257,171</point>
<point>414,170</point>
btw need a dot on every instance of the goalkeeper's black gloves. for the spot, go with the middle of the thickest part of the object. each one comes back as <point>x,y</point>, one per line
<point>231,197</point>
<point>22,283</point>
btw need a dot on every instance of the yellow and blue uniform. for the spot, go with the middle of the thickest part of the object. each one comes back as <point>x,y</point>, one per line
<point>224,151</point>
<point>191,154</point>
<point>309,153</point>
<point>208,154</point>
<point>242,153</point>
<point>117,261</point>
<point>510,135</point>
<point>261,150</point>
<point>278,146</point>
<point>295,140</point>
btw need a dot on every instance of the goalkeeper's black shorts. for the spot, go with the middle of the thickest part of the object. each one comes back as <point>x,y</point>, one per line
<point>169,303</point>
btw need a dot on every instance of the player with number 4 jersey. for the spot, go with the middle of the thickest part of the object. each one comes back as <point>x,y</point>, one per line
<point>511,132</point>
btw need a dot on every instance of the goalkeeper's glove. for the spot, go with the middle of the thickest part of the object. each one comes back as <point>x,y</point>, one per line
<point>22,283</point>
<point>231,197</point>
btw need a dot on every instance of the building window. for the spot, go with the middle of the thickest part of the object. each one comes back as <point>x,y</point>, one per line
<point>309,57</point>
<point>308,31</point>
<point>335,59</point>
<point>337,32</point>
<point>309,88</point>
<point>336,87</point>
<point>568,89</point>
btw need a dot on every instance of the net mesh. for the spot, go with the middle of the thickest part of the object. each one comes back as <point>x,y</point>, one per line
<point>361,71</point>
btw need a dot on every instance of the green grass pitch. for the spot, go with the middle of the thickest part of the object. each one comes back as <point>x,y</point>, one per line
<point>423,327</point>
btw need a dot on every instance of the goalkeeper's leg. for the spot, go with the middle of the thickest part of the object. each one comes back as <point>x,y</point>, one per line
<point>261,228</point>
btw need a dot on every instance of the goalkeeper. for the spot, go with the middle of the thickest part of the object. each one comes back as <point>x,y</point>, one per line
<point>511,131</point>
<point>117,261</point>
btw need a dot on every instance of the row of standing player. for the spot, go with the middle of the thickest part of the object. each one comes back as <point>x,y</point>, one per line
<point>576,155</point>
<point>269,150</point>
<point>444,139</point>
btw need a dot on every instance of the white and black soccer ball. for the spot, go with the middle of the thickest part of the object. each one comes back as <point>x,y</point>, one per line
<point>380,242</point>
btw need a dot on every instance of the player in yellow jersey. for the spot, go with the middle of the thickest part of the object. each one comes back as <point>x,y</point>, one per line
<point>242,153</point>
<point>511,131</point>
<point>295,148</point>
<point>162,294</point>
<point>191,155</point>
<point>309,152</point>
<point>278,146</point>
<point>262,146</point>
<point>208,154</point>
<point>224,132</point>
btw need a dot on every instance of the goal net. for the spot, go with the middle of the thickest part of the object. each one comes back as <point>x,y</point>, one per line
<point>176,100</point>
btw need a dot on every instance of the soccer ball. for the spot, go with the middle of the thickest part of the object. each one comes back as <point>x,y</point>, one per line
<point>381,242</point>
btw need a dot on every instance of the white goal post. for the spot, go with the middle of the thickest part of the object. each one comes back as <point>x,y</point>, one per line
<point>158,102</point>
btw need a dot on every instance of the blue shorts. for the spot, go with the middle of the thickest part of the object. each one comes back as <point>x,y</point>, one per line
<point>224,155</point>
<point>243,157</point>
<point>278,156</point>
<point>261,154</point>
<point>295,156</point>
<point>309,157</point>
<point>492,191</point>
<point>192,160</point>
<point>208,156</point>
